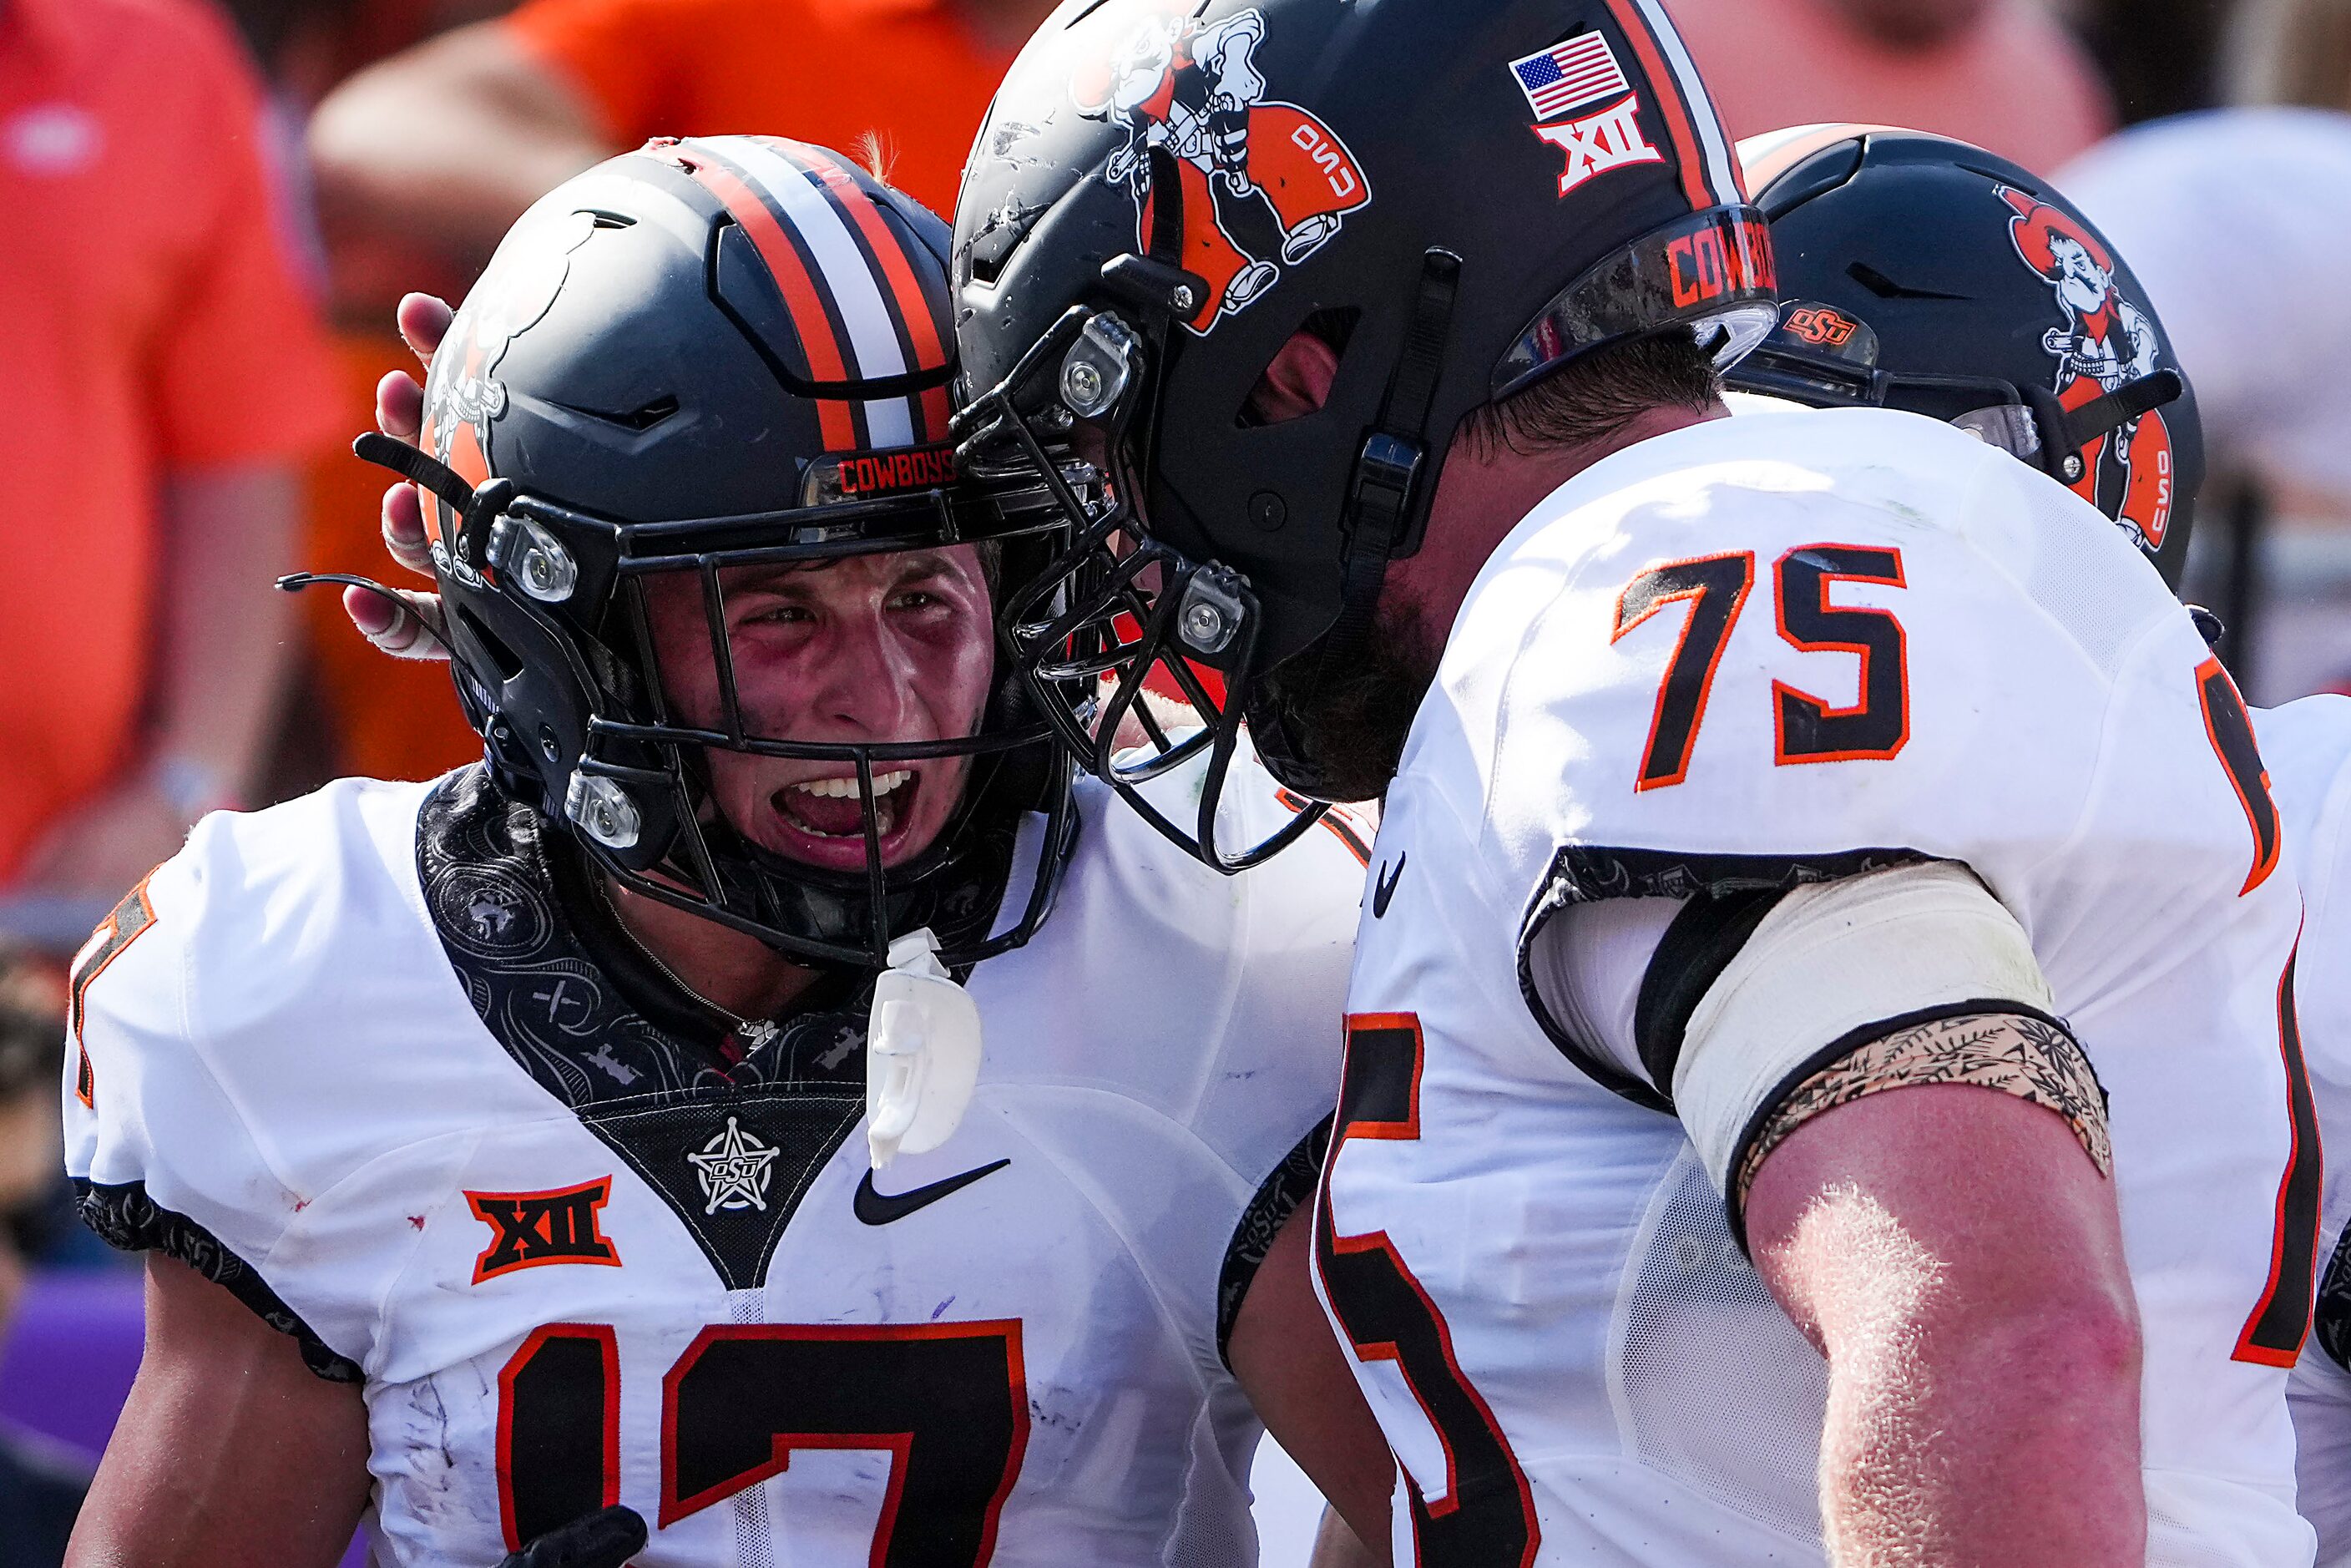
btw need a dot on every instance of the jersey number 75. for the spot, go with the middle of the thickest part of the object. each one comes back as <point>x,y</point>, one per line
<point>1808,730</point>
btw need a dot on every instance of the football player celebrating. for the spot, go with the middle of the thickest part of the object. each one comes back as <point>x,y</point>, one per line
<point>513,1146</point>
<point>1795,828</point>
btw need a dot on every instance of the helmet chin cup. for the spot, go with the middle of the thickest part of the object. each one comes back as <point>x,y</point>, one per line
<point>921,1053</point>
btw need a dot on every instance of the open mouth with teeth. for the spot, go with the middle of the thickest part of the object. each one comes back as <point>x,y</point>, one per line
<point>825,818</point>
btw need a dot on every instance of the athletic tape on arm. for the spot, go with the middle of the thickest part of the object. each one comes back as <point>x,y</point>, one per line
<point>1826,967</point>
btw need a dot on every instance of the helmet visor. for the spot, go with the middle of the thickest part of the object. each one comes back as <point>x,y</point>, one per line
<point>1712,273</point>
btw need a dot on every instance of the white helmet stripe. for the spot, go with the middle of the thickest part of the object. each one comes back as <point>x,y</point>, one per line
<point>856,291</point>
<point>1722,170</point>
<point>890,422</point>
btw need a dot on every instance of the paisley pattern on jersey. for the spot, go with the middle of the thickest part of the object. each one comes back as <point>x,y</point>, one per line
<point>2333,1322</point>
<point>730,1146</point>
<point>1292,1183</point>
<point>124,1217</point>
<point>483,860</point>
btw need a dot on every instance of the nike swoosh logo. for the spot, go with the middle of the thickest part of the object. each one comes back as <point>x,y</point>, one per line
<point>1388,886</point>
<point>883,1207</point>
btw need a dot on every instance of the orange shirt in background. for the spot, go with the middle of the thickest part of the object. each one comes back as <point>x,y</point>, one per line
<point>2016,82</point>
<point>906,74</point>
<point>154,319</point>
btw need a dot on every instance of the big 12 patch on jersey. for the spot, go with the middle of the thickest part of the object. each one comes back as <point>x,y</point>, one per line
<point>529,1229</point>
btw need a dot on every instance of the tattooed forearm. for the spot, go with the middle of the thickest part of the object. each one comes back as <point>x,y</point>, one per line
<point>2013,1052</point>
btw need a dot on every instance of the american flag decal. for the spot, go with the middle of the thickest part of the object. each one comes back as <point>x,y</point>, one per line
<point>1570,74</point>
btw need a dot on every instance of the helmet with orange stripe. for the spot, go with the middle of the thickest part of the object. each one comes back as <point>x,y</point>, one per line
<point>1927,273</point>
<point>1459,197</point>
<point>718,601</point>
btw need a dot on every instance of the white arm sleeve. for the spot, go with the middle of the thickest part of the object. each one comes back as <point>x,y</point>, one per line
<point>1830,968</point>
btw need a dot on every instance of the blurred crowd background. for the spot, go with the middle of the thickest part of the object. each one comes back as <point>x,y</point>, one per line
<point>214,205</point>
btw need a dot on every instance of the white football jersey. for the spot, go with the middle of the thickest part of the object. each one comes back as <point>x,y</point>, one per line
<point>355,1059</point>
<point>1734,659</point>
<point>2307,746</point>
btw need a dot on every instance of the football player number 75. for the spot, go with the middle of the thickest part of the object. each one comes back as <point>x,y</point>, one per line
<point>1877,726</point>
<point>946,1401</point>
<point>1808,729</point>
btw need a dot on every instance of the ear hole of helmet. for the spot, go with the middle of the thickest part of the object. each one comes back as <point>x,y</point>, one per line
<point>504,659</point>
<point>1334,329</point>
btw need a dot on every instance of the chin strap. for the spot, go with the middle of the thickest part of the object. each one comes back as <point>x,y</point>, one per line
<point>2065,431</point>
<point>1386,509</point>
<point>417,466</point>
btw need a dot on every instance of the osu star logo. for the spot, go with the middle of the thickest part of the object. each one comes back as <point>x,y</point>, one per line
<point>733,1169</point>
<point>530,1228</point>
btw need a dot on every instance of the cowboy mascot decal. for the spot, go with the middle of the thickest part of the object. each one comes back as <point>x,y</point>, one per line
<point>1263,184</point>
<point>2105,344</point>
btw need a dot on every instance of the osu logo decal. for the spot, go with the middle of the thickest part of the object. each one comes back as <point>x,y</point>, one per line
<point>529,1228</point>
<point>1263,184</point>
<point>1575,75</point>
<point>1822,327</point>
<point>2105,343</point>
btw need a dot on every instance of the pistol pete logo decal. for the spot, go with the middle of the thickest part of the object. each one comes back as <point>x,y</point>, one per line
<point>2105,343</point>
<point>1264,184</point>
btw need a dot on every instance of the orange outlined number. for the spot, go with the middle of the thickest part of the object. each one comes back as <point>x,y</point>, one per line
<point>558,1436</point>
<point>2231,731</point>
<point>1715,589</point>
<point>1874,729</point>
<point>1486,1518</point>
<point>947,1402</point>
<point>1878,727</point>
<point>2273,1335</point>
<point>128,923</point>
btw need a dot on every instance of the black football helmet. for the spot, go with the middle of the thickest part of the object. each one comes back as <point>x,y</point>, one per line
<point>1926,274</point>
<point>702,355</point>
<point>1458,196</point>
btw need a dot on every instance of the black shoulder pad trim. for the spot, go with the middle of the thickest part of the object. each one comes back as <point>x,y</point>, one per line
<point>1692,955</point>
<point>1844,1045</point>
<point>2333,1322</point>
<point>1292,1183</point>
<point>125,1217</point>
<point>1589,874</point>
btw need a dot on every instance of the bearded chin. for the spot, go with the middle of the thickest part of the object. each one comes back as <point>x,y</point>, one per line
<point>1342,718</point>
